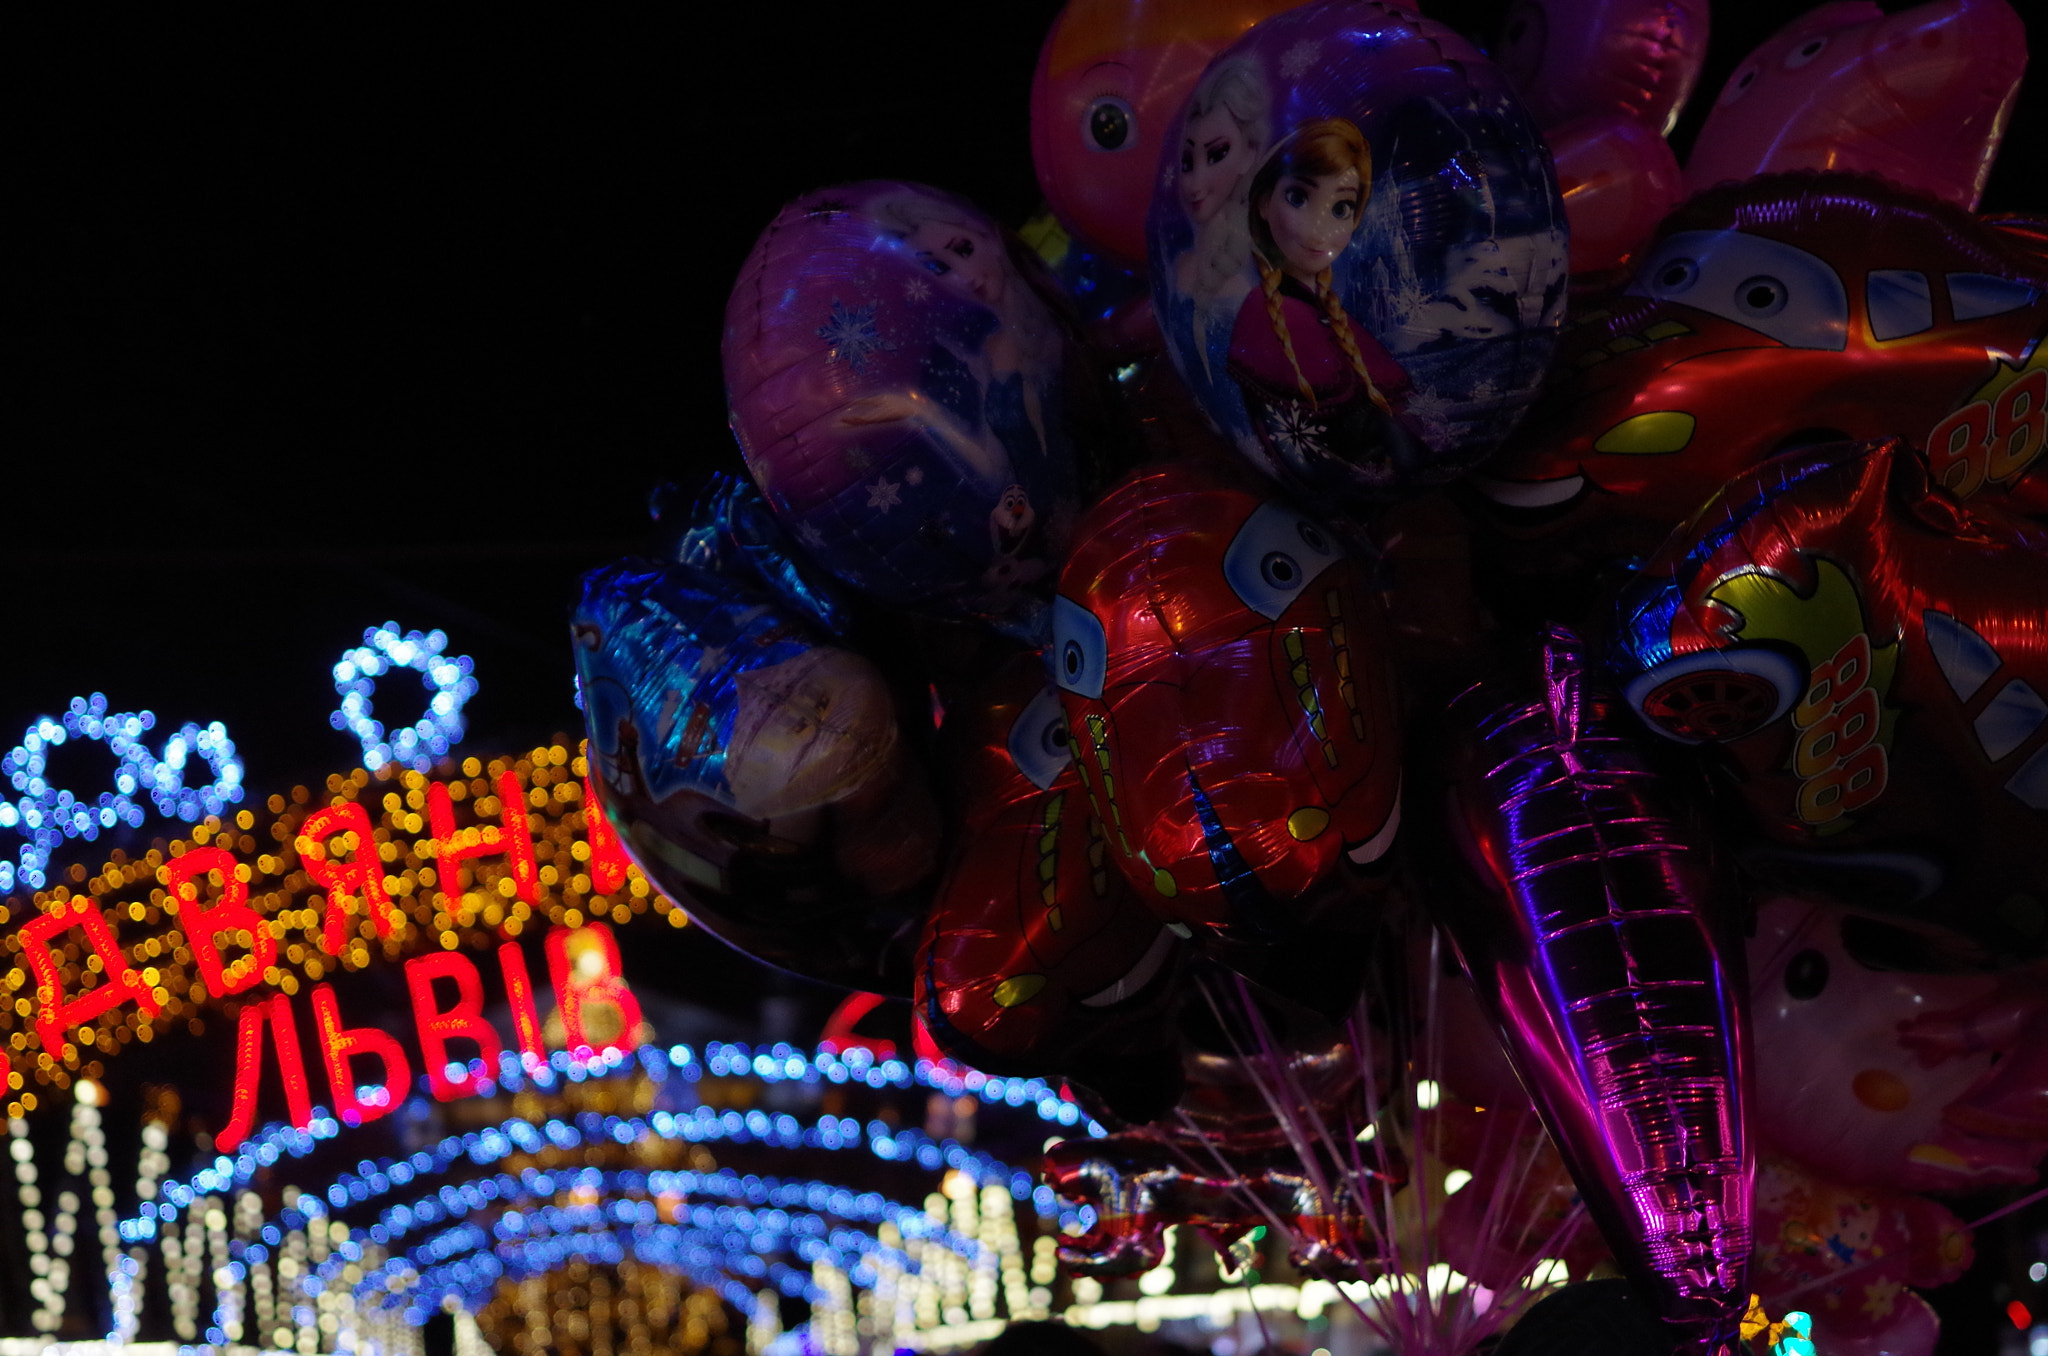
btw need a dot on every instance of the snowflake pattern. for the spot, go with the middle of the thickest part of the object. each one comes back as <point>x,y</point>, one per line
<point>810,536</point>
<point>884,494</point>
<point>1295,428</point>
<point>914,476</point>
<point>853,336</point>
<point>859,458</point>
<point>1296,60</point>
<point>916,289</point>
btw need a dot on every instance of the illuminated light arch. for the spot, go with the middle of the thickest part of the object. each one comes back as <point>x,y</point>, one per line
<point>450,681</point>
<point>861,1237</point>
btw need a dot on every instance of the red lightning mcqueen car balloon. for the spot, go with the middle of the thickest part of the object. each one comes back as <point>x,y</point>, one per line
<point>1036,958</point>
<point>1788,310</point>
<point>1222,663</point>
<point>1872,656</point>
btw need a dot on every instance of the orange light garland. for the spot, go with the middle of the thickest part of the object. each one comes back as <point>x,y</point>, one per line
<point>116,956</point>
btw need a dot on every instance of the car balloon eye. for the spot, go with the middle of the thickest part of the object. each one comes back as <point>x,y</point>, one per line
<point>1674,275</point>
<point>1110,124</point>
<point>1773,288</point>
<point>1760,296</point>
<point>1274,556</point>
<point>1080,651</point>
<point>1038,740</point>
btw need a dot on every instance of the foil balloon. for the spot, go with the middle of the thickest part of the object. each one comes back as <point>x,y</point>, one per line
<point>1888,1057</point>
<point>1111,78</point>
<point>754,772</point>
<point>1619,179</point>
<point>1597,939</point>
<point>1633,59</point>
<point>1265,1135</point>
<point>1862,653</point>
<point>1789,310</point>
<point>1222,663</point>
<point>1850,1254</point>
<point>899,388</point>
<point>1920,97</point>
<point>1036,959</point>
<point>1360,268</point>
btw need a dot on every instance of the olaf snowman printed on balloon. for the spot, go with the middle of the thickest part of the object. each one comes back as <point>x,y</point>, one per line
<point>1357,251</point>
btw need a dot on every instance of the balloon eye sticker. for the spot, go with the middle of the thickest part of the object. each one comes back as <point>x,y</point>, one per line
<point>1274,556</point>
<point>1080,650</point>
<point>1038,741</point>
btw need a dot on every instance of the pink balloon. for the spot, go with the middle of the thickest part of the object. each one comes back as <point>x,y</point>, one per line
<point>1847,1254</point>
<point>1111,79</point>
<point>1637,59</point>
<point>1914,1079</point>
<point>1920,97</point>
<point>1619,179</point>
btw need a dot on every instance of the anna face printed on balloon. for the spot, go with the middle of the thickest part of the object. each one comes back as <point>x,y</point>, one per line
<point>1309,204</point>
<point>1314,381</point>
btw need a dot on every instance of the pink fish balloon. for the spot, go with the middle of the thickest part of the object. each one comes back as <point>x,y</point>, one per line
<point>1921,97</point>
<point>1637,59</point>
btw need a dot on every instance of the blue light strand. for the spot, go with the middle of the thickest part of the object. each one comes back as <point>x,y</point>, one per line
<point>778,1063</point>
<point>747,1213</point>
<point>46,815</point>
<point>450,680</point>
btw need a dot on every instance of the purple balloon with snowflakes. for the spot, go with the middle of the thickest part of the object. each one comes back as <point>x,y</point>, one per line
<point>898,385</point>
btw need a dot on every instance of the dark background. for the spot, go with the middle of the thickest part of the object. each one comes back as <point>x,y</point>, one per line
<point>319,325</point>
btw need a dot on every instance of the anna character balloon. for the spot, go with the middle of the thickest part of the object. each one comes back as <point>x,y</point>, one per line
<point>1314,381</point>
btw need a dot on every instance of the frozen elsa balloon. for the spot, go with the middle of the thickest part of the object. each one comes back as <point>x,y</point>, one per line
<point>1224,131</point>
<point>1312,377</point>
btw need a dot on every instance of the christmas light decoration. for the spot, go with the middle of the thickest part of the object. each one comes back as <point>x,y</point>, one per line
<point>450,683</point>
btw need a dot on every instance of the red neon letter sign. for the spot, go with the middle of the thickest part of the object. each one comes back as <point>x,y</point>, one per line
<point>54,1014</point>
<point>291,1067</point>
<point>453,847</point>
<point>204,927</point>
<point>464,1021</point>
<point>525,1013</point>
<point>360,877</point>
<point>608,864</point>
<point>590,975</point>
<point>339,1044</point>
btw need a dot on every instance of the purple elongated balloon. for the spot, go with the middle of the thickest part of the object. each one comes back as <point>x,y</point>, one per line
<point>1598,945</point>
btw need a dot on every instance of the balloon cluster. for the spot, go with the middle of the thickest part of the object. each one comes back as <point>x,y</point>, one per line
<point>1376,508</point>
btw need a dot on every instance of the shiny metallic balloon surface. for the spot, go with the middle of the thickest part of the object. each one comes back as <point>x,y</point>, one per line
<point>1225,675</point>
<point>1782,311</point>
<point>1865,653</point>
<point>1601,947</point>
